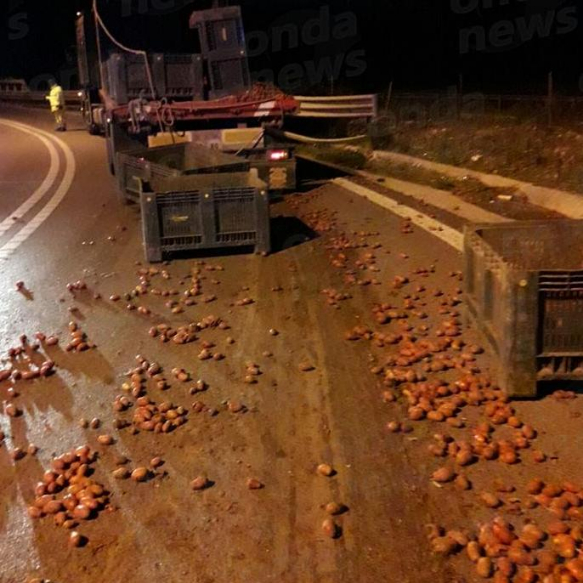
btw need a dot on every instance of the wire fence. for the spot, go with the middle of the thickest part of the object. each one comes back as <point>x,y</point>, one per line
<point>427,108</point>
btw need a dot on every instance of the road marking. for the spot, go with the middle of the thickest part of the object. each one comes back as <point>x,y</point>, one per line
<point>70,167</point>
<point>46,184</point>
<point>439,230</point>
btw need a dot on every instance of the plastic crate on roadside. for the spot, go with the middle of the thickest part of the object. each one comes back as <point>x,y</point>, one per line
<point>166,161</point>
<point>524,294</point>
<point>204,211</point>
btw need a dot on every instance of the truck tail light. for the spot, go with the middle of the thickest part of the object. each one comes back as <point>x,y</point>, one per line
<point>277,155</point>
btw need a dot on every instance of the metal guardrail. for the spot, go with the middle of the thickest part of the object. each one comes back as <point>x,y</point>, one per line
<point>35,96</point>
<point>345,106</point>
<point>71,97</point>
<point>17,91</point>
<point>11,85</point>
<point>435,96</point>
<point>426,107</point>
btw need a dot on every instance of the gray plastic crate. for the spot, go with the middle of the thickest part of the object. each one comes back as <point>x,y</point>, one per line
<point>220,29</point>
<point>524,294</point>
<point>126,77</point>
<point>206,211</point>
<point>222,42</point>
<point>228,74</point>
<point>167,161</point>
<point>176,76</point>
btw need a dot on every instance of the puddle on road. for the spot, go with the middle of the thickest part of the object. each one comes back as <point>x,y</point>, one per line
<point>17,541</point>
<point>50,430</point>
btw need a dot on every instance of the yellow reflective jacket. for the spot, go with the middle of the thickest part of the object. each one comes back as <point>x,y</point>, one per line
<point>56,98</point>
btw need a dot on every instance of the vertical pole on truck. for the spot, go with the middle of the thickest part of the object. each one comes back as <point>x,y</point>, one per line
<point>98,39</point>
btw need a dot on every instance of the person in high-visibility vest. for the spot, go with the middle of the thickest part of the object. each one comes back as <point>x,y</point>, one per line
<point>56,99</point>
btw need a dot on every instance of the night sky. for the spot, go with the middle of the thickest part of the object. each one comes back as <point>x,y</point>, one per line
<point>354,45</point>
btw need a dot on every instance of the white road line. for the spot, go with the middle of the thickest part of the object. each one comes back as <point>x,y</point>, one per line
<point>7,249</point>
<point>46,184</point>
<point>439,230</point>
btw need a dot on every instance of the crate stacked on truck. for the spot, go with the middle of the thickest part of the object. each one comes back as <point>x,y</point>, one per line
<point>112,77</point>
<point>222,41</point>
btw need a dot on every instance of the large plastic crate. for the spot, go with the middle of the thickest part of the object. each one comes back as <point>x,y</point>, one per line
<point>166,161</point>
<point>222,44</point>
<point>524,288</point>
<point>220,29</point>
<point>228,74</point>
<point>187,213</point>
<point>176,76</point>
<point>126,77</point>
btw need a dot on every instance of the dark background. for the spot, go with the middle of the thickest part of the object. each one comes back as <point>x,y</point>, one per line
<point>414,43</point>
